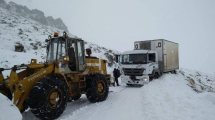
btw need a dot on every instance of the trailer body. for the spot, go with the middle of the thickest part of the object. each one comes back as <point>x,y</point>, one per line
<point>167,51</point>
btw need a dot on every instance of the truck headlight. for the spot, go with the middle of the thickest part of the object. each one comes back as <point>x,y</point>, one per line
<point>145,79</point>
<point>122,78</point>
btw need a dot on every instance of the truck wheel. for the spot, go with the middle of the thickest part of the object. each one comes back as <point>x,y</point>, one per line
<point>74,97</point>
<point>48,98</point>
<point>174,72</point>
<point>97,88</point>
<point>156,76</point>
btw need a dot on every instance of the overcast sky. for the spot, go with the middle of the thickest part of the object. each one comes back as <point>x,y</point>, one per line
<point>116,24</point>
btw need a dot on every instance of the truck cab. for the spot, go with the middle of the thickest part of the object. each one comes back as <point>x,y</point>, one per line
<point>138,66</point>
<point>149,60</point>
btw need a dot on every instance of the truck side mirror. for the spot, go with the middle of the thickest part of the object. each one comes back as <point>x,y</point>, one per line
<point>117,58</point>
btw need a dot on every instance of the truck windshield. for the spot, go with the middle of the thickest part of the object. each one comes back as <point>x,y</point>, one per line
<point>134,59</point>
<point>55,53</point>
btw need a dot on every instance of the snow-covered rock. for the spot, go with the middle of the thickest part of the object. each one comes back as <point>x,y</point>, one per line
<point>8,111</point>
<point>199,81</point>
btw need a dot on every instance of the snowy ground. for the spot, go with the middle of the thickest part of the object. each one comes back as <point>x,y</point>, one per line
<point>167,98</point>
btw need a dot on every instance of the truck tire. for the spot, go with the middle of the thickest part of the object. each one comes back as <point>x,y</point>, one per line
<point>48,98</point>
<point>97,88</point>
<point>156,76</point>
<point>174,72</point>
<point>74,97</point>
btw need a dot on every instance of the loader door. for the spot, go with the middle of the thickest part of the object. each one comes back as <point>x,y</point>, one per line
<point>81,55</point>
<point>56,50</point>
<point>76,55</point>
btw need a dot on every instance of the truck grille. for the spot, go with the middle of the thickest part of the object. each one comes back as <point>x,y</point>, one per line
<point>133,71</point>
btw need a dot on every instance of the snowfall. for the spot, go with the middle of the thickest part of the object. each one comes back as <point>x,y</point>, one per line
<point>187,95</point>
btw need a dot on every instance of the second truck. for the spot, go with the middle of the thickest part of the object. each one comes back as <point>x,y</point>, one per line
<point>149,60</point>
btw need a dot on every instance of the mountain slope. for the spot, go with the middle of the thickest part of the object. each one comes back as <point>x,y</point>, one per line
<point>34,14</point>
<point>15,29</point>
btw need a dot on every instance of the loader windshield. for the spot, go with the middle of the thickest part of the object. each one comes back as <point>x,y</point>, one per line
<point>56,50</point>
<point>134,59</point>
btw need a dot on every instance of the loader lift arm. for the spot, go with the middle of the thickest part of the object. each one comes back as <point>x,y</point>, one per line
<point>21,83</point>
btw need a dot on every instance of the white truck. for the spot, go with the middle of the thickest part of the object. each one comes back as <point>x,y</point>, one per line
<point>149,60</point>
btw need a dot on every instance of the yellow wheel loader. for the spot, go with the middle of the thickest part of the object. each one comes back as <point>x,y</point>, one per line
<point>67,73</point>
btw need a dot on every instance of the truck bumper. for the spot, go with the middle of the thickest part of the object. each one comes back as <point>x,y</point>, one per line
<point>139,80</point>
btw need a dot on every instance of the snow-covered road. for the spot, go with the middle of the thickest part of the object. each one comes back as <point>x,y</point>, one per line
<point>168,98</point>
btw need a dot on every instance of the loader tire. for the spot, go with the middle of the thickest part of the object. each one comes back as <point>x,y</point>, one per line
<point>48,98</point>
<point>97,88</point>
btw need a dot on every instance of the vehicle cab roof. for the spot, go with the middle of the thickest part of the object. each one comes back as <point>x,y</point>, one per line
<point>139,51</point>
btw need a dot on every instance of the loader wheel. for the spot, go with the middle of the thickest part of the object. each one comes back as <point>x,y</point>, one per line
<point>74,97</point>
<point>48,98</point>
<point>97,88</point>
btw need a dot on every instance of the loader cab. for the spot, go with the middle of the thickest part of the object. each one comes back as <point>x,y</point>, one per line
<point>76,54</point>
<point>61,47</point>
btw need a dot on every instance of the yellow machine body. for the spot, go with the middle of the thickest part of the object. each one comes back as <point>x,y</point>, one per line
<point>20,84</point>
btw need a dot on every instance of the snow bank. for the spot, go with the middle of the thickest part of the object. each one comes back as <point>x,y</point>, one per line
<point>167,98</point>
<point>8,111</point>
<point>170,98</point>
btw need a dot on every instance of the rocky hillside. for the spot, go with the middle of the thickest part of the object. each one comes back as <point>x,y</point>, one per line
<point>34,14</point>
<point>18,30</point>
<point>198,81</point>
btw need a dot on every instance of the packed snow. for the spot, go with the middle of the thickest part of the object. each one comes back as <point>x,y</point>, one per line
<point>8,111</point>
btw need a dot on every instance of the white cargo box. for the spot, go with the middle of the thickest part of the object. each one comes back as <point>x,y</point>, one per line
<point>168,58</point>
